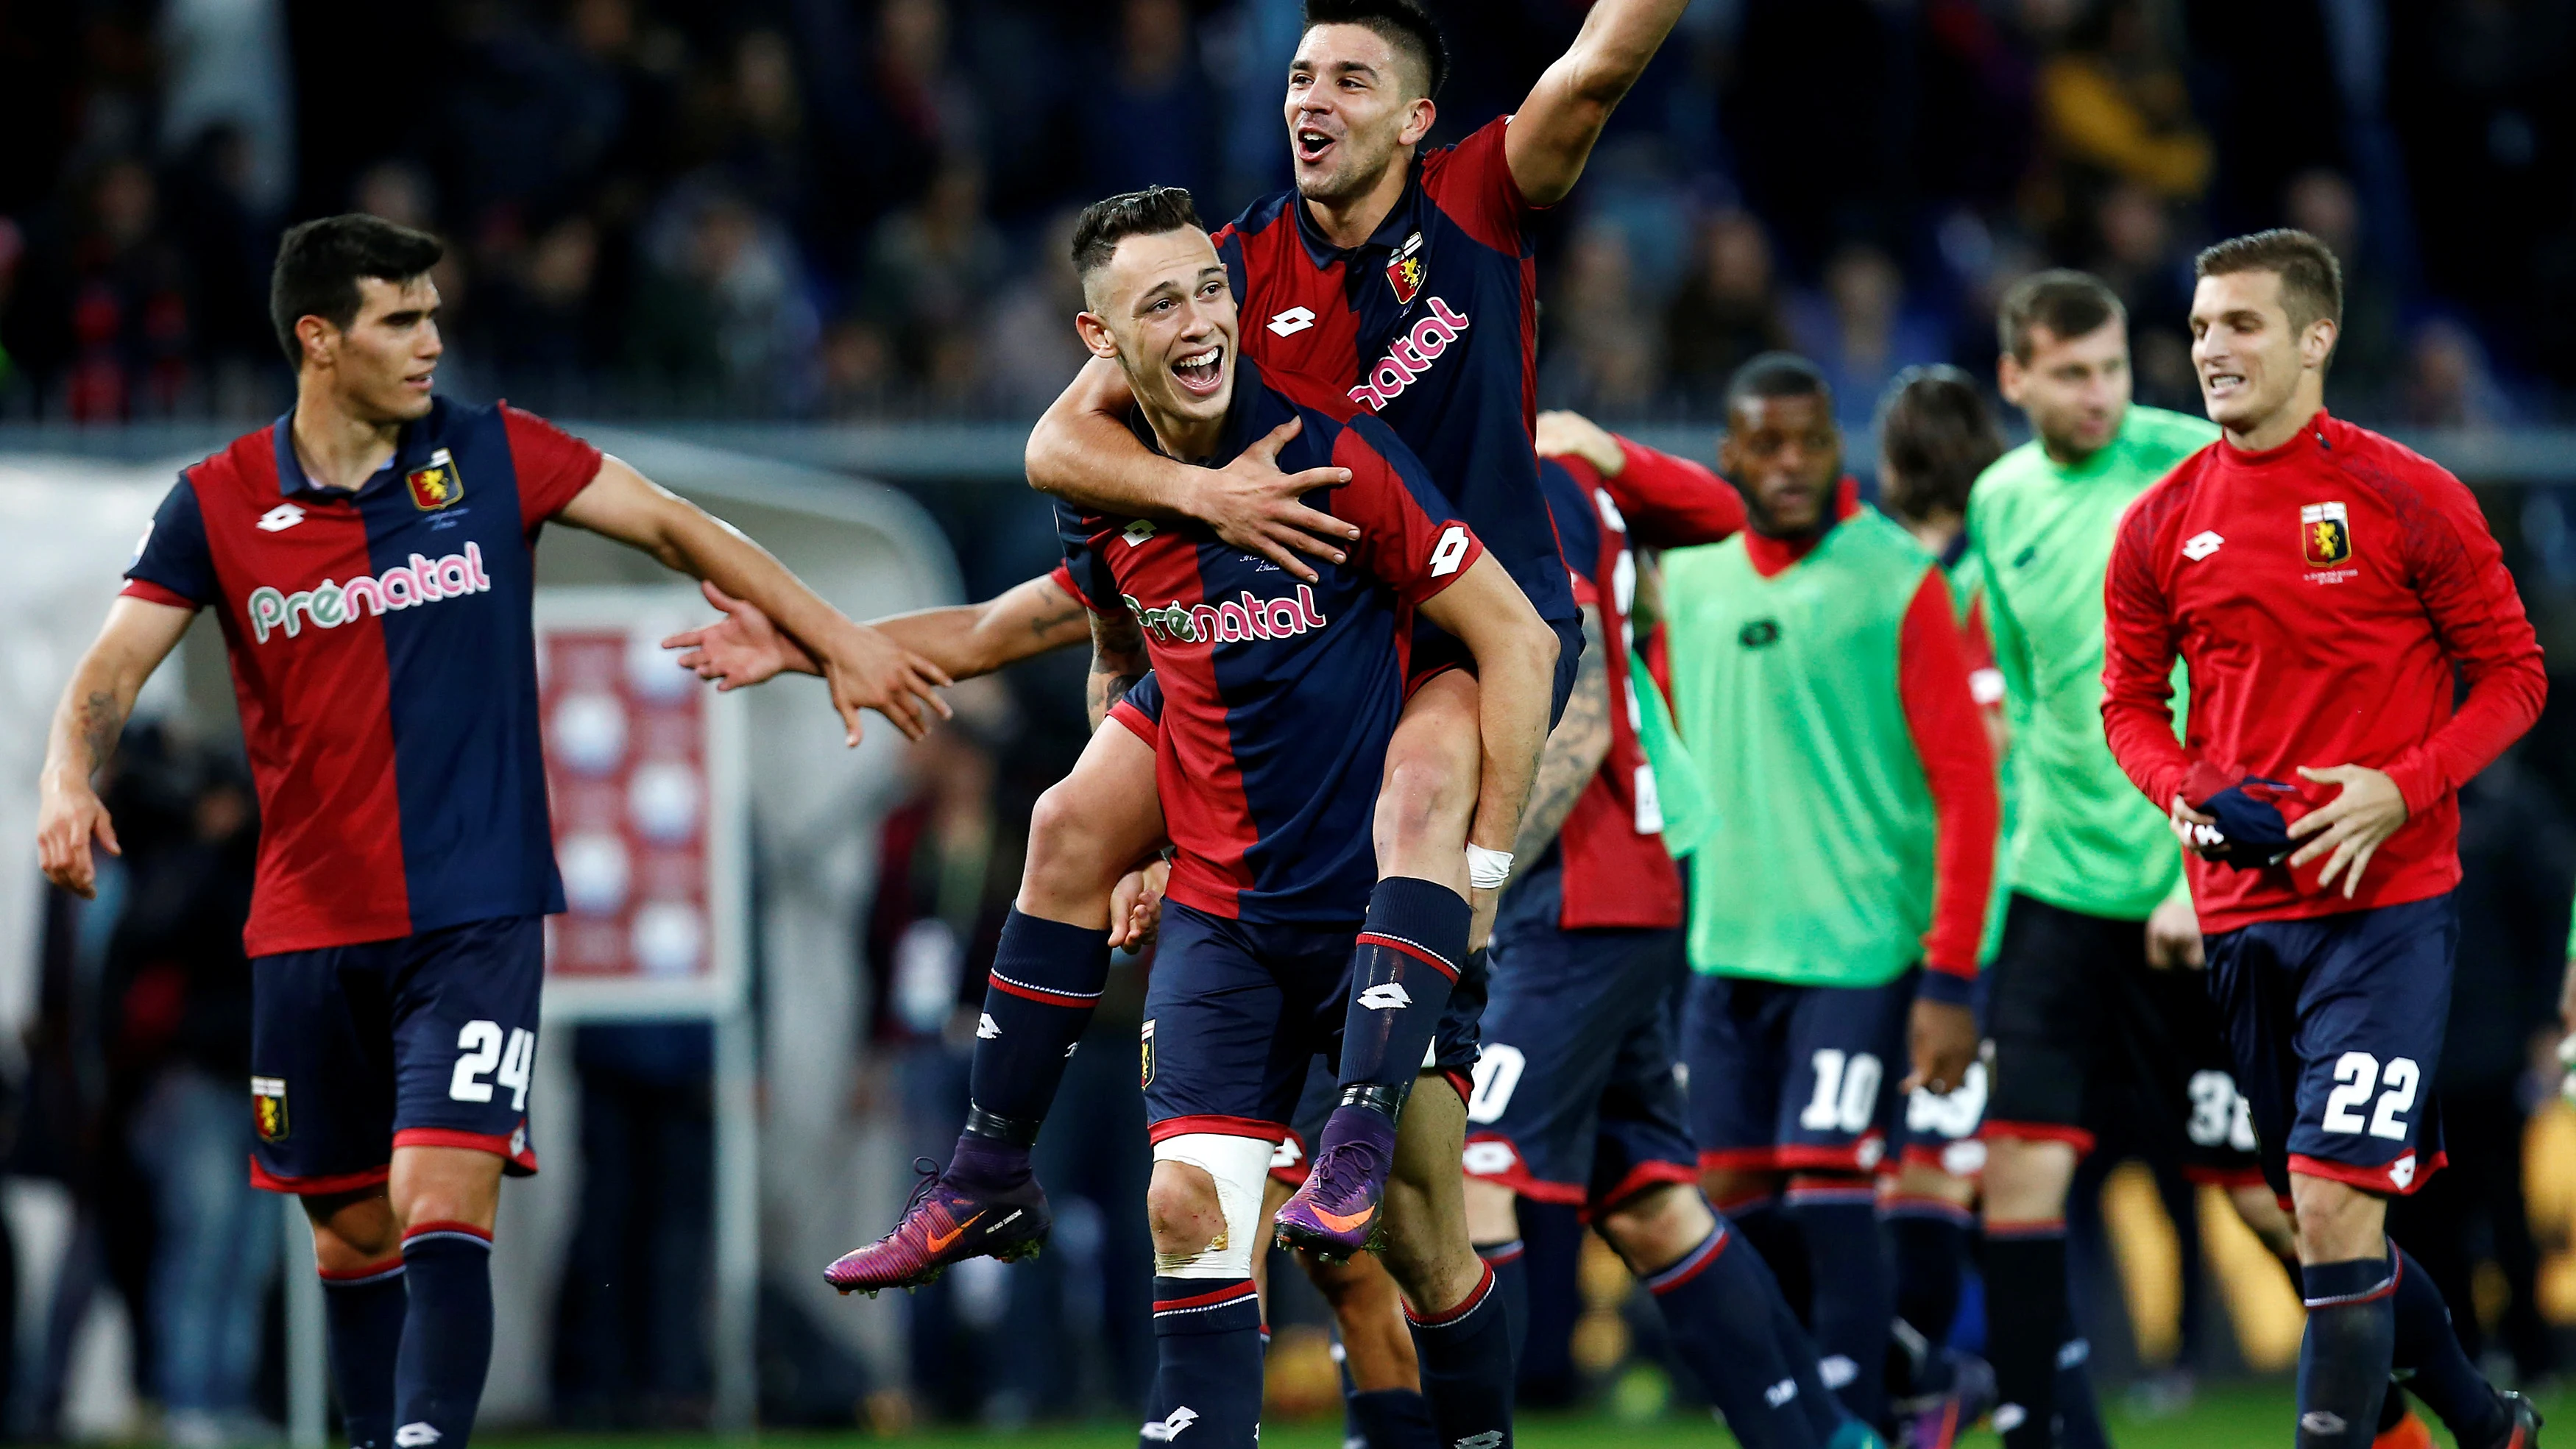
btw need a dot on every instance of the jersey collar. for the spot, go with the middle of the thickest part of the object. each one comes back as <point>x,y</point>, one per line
<point>411,449</point>
<point>2310,438</point>
<point>1401,222</point>
<point>1772,557</point>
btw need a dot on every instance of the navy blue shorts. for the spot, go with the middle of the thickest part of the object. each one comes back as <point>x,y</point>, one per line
<point>1578,1100</point>
<point>1940,1131</point>
<point>1794,1078</point>
<point>1236,1013</point>
<point>425,1041</point>
<point>1437,651</point>
<point>2336,1023</point>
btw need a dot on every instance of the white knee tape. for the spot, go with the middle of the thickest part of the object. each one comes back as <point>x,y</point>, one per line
<point>1240,1166</point>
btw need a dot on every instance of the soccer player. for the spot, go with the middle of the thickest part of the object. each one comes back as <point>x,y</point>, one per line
<point>1270,708</point>
<point>1403,280</point>
<point>1577,1100</point>
<point>370,557</point>
<point>2330,592</point>
<point>1842,865</point>
<point>2094,1013</point>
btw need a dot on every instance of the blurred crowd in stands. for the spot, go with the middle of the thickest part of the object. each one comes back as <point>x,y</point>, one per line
<point>856,208</point>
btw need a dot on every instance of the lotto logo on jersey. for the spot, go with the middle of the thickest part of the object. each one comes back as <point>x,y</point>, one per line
<point>329,605</point>
<point>1410,356</point>
<point>2325,534</point>
<point>437,485</point>
<point>1230,622</point>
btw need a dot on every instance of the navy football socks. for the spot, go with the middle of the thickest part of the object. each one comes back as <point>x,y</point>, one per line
<point>2428,1351</point>
<point>2345,1357</point>
<point>1854,1293</point>
<point>1511,1284</point>
<point>364,1316</point>
<point>2079,1414</point>
<point>2025,1315</point>
<point>1466,1357</point>
<point>1207,1381</point>
<point>1930,1240</point>
<point>1046,981</point>
<point>1713,1299</point>
<point>447,1335</point>
<point>1403,965</point>
<point>1389,1419</point>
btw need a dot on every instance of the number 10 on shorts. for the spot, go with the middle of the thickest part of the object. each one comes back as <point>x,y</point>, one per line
<point>483,1051</point>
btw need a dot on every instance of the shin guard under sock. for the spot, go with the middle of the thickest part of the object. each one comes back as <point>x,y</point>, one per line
<point>2428,1352</point>
<point>363,1316</point>
<point>1207,1376</point>
<point>1403,965</point>
<point>1511,1284</point>
<point>2345,1356</point>
<point>1721,1307</point>
<point>1854,1295</point>
<point>2026,1310</point>
<point>1046,980</point>
<point>447,1335</point>
<point>1465,1353</point>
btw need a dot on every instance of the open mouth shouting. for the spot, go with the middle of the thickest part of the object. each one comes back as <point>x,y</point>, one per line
<point>1312,145</point>
<point>1201,373</point>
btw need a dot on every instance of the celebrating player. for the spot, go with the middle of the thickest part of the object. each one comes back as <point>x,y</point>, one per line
<point>370,559</point>
<point>1849,834</point>
<point>2092,1021</point>
<point>1270,711</point>
<point>1402,280</point>
<point>2329,591</point>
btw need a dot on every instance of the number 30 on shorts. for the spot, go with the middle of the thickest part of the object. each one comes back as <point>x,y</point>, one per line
<point>2359,1075</point>
<point>481,1051</point>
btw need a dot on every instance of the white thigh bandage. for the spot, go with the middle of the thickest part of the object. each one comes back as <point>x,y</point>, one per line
<point>1240,1166</point>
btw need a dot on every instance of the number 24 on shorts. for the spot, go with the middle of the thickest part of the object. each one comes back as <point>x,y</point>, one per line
<point>482,1050</point>
<point>2359,1074</point>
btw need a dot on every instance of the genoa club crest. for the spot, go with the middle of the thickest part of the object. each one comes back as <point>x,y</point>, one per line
<point>2325,534</point>
<point>268,1107</point>
<point>437,485</point>
<point>1404,270</point>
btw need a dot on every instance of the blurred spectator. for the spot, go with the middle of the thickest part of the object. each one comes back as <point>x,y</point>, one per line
<point>126,324</point>
<point>547,324</point>
<point>1033,349</point>
<point>2139,261</point>
<point>724,313</point>
<point>2322,203</point>
<point>1728,309</point>
<point>1861,333</point>
<point>929,274</point>
<point>230,237</point>
<point>630,1320</point>
<point>2448,384</point>
<point>915,109</point>
<point>1155,123</point>
<point>224,65</point>
<point>1604,359</point>
<point>2113,107</point>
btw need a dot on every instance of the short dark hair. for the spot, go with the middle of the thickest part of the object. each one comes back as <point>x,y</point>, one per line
<point>1403,24</point>
<point>319,263</point>
<point>1107,222</point>
<point>1777,374</point>
<point>1937,435</point>
<point>2066,303</point>
<point>2311,278</point>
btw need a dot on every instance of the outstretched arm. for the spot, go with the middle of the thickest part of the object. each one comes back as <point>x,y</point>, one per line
<point>138,635</point>
<point>1551,135</point>
<point>1515,656</point>
<point>1081,451</point>
<point>744,648</point>
<point>866,669</point>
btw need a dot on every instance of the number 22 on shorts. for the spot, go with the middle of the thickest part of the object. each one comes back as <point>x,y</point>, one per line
<point>483,1050</point>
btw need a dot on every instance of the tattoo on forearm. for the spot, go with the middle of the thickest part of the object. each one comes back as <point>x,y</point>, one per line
<point>1575,749</point>
<point>100,723</point>
<point>1046,624</point>
<point>1118,661</point>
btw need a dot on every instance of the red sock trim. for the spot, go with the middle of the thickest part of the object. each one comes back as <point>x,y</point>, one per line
<point>2050,1228</point>
<point>1040,994</point>
<point>369,1273</point>
<point>1475,1299</point>
<point>1423,954</point>
<point>448,1230</point>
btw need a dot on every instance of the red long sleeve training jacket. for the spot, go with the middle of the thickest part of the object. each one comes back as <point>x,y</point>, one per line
<point>2323,594</point>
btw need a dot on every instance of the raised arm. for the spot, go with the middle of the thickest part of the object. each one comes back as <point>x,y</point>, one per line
<point>744,648</point>
<point>1515,656</point>
<point>1551,135</point>
<point>1574,750</point>
<point>1081,451</point>
<point>866,669</point>
<point>137,636</point>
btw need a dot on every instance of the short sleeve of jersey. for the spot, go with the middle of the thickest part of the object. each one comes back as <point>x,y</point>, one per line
<point>1472,182</point>
<point>1411,536</point>
<point>553,465</point>
<point>172,564</point>
<point>1084,573</point>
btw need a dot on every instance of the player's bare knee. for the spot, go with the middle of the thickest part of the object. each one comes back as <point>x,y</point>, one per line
<point>1730,1185</point>
<point>2026,1180</point>
<point>1657,1226</point>
<point>1181,1209</point>
<point>352,1232</point>
<point>1493,1212</point>
<point>2337,1222</point>
<point>1070,861</point>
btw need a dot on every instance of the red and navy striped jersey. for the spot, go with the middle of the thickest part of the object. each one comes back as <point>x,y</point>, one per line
<point>1278,697</point>
<point>1617,872</point>
<point>384,660</point>
<point>1432,324</point>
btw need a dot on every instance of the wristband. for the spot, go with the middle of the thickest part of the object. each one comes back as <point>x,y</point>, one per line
<point>1488,869</point>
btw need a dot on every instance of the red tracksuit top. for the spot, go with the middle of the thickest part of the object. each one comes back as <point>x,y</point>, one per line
<point>2322,594</point>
